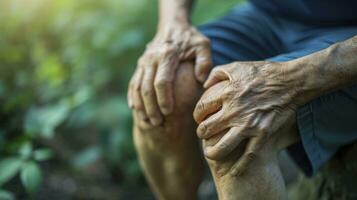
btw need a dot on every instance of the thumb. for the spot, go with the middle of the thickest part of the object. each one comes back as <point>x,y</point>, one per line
<point>215,76</point>
<point>203,63</point>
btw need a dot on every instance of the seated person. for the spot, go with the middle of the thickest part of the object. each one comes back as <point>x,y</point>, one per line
<point>284,75</point>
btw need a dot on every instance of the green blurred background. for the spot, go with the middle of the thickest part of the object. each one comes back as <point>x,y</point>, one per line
<point>64,65</point>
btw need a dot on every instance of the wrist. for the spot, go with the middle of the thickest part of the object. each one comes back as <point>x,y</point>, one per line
<point>174,12</point>
<point>311,79</point>
<point>326,70</point>
<point>175,21</point>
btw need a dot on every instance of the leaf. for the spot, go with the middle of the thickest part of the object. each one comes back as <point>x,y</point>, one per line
<point>5,195</point>
<point>87,157</point>
<point>9,168</point>
<point>43,154</point>
<point>31,176</point>
<point>25,150</point>
<point>44,120</point>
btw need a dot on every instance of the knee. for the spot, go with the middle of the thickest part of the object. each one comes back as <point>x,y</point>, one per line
<point>187,91</point>
<point>239,158</point>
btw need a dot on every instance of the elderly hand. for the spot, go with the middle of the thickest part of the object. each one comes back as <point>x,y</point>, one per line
<point>150,90</point>
<point>245,100</point>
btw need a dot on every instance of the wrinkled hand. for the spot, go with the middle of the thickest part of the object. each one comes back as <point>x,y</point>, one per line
<point>245,100</point>
<point>150,90</point>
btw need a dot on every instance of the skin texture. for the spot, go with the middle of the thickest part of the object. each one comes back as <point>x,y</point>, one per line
<point>262,179</point>
<point>169,154</point>
<point>254,101</point>
<point>258,101</point>
<point>327,70</point>
<point>246,115</point>
<point>150,90</point>
<point>162,93</point>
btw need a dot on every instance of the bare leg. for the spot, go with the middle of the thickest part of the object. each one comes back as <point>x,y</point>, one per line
<point>170,154</point>
<point>262,180</point>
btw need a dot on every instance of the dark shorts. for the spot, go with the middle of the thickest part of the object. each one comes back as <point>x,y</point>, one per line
<point>250,34</point>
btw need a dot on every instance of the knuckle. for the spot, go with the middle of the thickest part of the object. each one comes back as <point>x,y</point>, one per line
<point>250,156</point>
<point>205,41</point>
<point>147,91</point>
<point>162,83</point>
<point>166,50</point>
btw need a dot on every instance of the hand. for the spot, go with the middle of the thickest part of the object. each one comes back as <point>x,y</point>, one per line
<point>150,90</point>
<point>245,100</point>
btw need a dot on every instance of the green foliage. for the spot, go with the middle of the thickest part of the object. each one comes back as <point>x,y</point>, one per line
<point>9,167</point>
<point>5,195</point>
<point>31,176</point>
<point>64,67</point>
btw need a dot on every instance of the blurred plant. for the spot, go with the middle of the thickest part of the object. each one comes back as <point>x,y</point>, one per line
<point>25,163</point>
<point>64,66</point>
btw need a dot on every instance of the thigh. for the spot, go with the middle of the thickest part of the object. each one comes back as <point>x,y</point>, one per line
<point>244,34</point>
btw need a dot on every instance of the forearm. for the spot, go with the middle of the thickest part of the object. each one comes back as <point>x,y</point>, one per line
<point>327,70</point>
<point>174,11</point>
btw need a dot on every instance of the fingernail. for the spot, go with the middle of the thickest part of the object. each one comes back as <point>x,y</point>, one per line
<point>199,132</point>
<point>205,84</point>
<point>202,78</point>
<point>166,111</point>
<point>156,121</point>
<point>131,105</point>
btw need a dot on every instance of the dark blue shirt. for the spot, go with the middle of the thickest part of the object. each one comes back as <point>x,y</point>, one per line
<point>319,11</point>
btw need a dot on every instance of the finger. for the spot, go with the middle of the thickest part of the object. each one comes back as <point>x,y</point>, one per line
<point>203,62</point>
<point>149,97</point>
<point>137,98</point>
<point>216,76</point>
<point>212,125</point>
<point>252,149</point>
<point>136,88</point>
<point>213,140</point>
<point>129,94</point>
<point>164,82</point>
<point>225,145</point>
<point>206,107</point>
<point>210,102</point>
<point>131,87</point>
